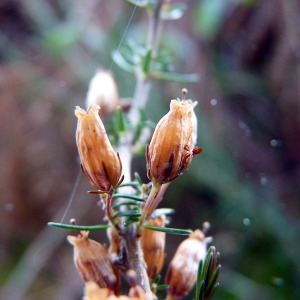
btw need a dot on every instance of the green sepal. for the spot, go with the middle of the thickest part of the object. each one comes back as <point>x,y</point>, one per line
<point>78,227</point>
<point>169,230</point>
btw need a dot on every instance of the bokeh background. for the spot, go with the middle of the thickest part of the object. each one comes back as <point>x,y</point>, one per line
<point>245,183</point>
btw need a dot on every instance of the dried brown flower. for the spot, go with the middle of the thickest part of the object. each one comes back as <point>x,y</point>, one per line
<point>182,270</point>
<point>93,263</point>
<point>104,92</point>
<point>99,162</point>
<point>172,146</point>
<point>153,245</point>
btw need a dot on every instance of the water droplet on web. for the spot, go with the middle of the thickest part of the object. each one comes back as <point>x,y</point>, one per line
<point>213,102</point>
<point>8,207</point>
<point>263,179</point>
<point>247,222</point>
<point>245,128</point>
<point>275,143</point>
<point>278,281</point>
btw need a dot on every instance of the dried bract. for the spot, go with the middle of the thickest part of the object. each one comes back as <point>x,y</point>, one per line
<point>173,142</point>
<point>153,245</point>
<point>182,270</point>
<point>99,162</point>
<point>93,263</point>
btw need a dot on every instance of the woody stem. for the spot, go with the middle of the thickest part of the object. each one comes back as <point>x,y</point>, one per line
<point>134,257</point>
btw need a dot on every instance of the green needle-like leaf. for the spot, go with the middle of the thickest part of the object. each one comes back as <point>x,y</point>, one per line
<point>78,227</point>
<point>120,60</point>
<point>127,214</point>
<point>114,207</point>
<point>138,178</point>
<point>119,121</point>
<point>208,274</point>
<point>169,230</point>
<point>146,63</point>
<point>126,196</point>
<point>132,183</point>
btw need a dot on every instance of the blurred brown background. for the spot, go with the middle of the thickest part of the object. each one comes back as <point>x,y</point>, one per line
<point>246,181</point>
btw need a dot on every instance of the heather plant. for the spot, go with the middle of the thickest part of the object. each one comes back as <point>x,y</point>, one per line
<point>109,133</point>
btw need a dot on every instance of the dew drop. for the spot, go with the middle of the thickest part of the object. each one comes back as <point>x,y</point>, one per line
<point>275,143</point>
<point>278,281</point>
<point>247,222</point>
<point>213,102</point>
<point>264,180</point>
<point>245,128</point>
<point>8,207</point>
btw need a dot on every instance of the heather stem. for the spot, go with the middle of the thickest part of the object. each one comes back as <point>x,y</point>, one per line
<point>135,257</point>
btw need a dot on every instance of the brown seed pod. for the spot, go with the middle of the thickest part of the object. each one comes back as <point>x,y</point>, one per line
<point>153,245</point>
<point>172,145</point>
<point>93,262</point>
<point>99,162</point>
<point>182,270</point>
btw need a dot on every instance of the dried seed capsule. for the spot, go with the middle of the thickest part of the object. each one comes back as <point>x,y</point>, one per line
<point>182,270</point>
<point>153,245</point>
<point>99,162</point>
<point>93,292</point>
<point>172,145</point>
<point>104,92</point>
<point>93,263</point>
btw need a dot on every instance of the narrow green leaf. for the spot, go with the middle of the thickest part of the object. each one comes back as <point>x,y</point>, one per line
<point>78,227</point>
<point>176,77</point>
<point>130,220</point>
<point>169,230</point>
<point>119,59</point>
<point>127,214</point>
<point>202,290</point>
<point>114,207</point>
<point>127,196</point>
<point>198,283</point>
<point>146,62</point>
<point>132,183</point>
<point>138,178</point>
<point>119,121</point>
<point>213,280</point>
<point>162,287</point>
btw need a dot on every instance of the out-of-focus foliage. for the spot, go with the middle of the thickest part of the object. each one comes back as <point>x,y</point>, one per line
<point>246,181</point>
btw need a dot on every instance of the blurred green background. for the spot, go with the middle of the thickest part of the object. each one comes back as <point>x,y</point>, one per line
<point>246,181</point>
